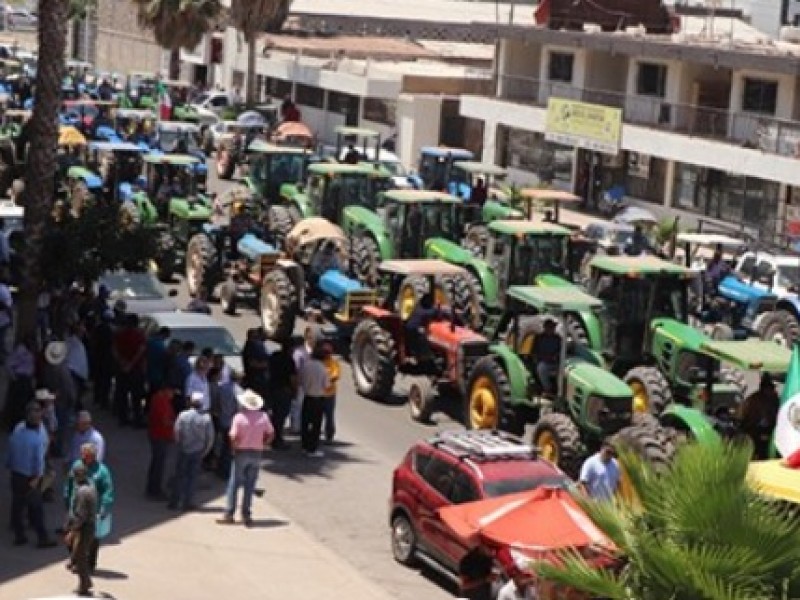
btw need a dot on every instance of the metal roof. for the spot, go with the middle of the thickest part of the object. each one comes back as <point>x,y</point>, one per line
<point>423,266</point>
<point>171,159</point>
<point>414,196</point>
<point>357,131</point>
<point>548,195</point>
<point>338,168</point>
<point>638,265</point>
<point>447,151</point>
<point>710,239</point>
<point>267,148</point>
<point>525,227</point>
<point>554,299</point>
<point>114,147</point>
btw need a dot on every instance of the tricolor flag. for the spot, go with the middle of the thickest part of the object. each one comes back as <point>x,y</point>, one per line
<point>164,102</point>
<point>786,439</point>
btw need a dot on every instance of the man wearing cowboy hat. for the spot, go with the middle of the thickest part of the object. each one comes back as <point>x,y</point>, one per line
<point>57,378</point>
<point>250,432</point>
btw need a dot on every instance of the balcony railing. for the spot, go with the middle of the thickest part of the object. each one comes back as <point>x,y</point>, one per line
<point>763,132</point>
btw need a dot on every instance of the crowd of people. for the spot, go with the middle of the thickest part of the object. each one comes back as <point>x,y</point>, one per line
<point>91,354</point>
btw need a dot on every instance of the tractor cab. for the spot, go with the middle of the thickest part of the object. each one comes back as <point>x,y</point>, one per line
<point>356,144</point>
<point>87,115</point>
<point>273,166</point>
<point>176,137</point>
<point>119,165</point>
<point>141,90</point>
<point>172,181</point>
<point>518,251</point>
<point>413,217</point>
<point>133,125</point>
<point>436,165</point>
<point>331,188</point>
<point>464,174</point>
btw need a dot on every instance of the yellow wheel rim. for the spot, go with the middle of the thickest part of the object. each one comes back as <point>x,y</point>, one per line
<point>641,403</point>
<point>548,446</point>
<point>408,300</point>
<point>525,346</point>
<point>440,296</point>
<point>483,405</point>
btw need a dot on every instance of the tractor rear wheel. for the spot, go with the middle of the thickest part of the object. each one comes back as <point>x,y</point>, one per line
<point>478,319</point>
<point>421,396</point>
<point>791,327</point>
<point>202,264</point>
<point>774,327</point>
<point>559,441</point>
<point>374,360</point>
<point>365,256</point>
<point>165,258</point>
<point>652,445</point>
<point>463,299</point>
<point>651,391</point>
<point>280,223</point>
<point>488,397</point>
<point>476,240</point>
<point>278,305</point>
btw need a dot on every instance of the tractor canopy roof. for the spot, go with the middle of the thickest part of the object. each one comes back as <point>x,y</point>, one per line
<point>267,148</point>
<point>170,159</point>
<point>422,266</point>
<point>750,355</point>
<point>479,168</point>
<point>179,126</point>
<point>546,195</point>
<point>639,266</point>
<point>138,114</point>
<point>524,227</point>
<point>710,239</point>
<point>15,113</point>
<point>333,169</point>
<point>444,152</point>
<point>357,131</point>
<point>85,102</point>
<point>315,229</point>
<point>114,147</point>
<point>554,299</point>
<point>91,180</point>
<point>420,196</point>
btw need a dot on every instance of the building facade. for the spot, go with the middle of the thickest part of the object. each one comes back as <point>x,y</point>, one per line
<point>120,44</point>
<point>709,128</point>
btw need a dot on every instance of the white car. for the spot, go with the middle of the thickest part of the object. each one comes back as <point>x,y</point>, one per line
<point>203,330</point>
<point>759,265</point>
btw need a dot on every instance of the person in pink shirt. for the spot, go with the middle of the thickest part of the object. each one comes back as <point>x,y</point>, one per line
<point>251,431</point>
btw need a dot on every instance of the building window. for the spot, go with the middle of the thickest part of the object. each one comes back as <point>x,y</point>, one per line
<point>529,151</point>
<point>561,65</point>
<point>308,95</point>
<point>652,80</point>
<point>278,88</point>
<point>381,111</point>
<point>760,96</point>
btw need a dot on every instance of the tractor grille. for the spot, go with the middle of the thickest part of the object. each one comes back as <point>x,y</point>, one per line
<point>609,414</point>
<point>354,304</point>
<point>469,354</point>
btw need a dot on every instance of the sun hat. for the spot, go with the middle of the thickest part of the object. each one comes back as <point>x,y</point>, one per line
<point>44,394</point>
<point>55,353</point>
<point>250,400</point>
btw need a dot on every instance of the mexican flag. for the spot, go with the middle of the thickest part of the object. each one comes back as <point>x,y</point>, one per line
<point>164,103</point>
<point>786,439</point>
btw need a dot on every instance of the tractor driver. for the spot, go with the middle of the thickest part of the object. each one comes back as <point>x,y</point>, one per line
<point>240,224</point>
<point>417,327</point>
<point>716,270</point>
<point>546,355</point>
<point>759,416</point>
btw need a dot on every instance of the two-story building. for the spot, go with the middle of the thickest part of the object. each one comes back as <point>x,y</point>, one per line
<point>705,122</point>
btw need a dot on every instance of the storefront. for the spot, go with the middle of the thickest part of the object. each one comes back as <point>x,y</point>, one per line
<point>528,151</point>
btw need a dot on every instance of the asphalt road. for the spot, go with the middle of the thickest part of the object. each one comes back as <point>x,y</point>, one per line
<point>342,499</point>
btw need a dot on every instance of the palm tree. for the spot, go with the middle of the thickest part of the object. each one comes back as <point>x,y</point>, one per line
<point>699,532</point>
<point>178,23</point>
<point>40,172</point>
<point>253,17</point>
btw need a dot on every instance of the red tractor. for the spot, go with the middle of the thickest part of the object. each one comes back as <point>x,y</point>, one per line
<point>438,355</point>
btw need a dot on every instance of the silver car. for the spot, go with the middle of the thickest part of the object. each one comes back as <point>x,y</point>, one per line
<point>142,292</point>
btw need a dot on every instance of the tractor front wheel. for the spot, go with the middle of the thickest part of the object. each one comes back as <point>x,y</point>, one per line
<point>476,240</point>
<point>278,305</point>
<point>559,441</point>
<point>365,257</point>
<point>373,358</point>
<point>775,327</point>
<point>651,391</point>
<point>652,445</point>
<point>421,396</point>
<point>202,268</point>
<point>487,397</point>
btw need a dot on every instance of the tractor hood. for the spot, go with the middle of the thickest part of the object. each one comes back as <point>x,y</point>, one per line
<point>682,335</point>
<point>750,354</point>
<point>494,210</point>
<point>337,285</point>
<point>188,209</point>
<point>448,251</point>
<point>596,380</point>
<point>734,289</point>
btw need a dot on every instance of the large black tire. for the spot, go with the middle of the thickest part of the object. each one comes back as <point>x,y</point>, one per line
<point>476,240</point>
<point>421,397</point>
<point>202,264</point>
<point>463,300</point>
<point>280,223</point>
<point>736,378</point>
<point>487,400</point>
<point>365,257</point>
<point>774,327</point>
<point>404,540</point>
<point>278,305</point>
<point>650,443</point>
<point>481,309</point>
<point>373,358</point>
<point>165,258</point>
<point>559,441</point>
<point>791,327</point>
<point>651,389</point>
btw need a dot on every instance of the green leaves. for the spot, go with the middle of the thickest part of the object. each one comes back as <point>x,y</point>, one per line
<point>700,532</point>
<point>178,23</point>
<point>252,17</point>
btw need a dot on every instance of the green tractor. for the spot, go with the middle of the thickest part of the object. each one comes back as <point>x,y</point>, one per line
<point>328,190</point>
<point>588,405</point>
<point>271,167</point>
<point>172,186</point>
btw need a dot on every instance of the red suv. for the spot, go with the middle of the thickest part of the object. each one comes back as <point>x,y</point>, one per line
<point>452,468</point>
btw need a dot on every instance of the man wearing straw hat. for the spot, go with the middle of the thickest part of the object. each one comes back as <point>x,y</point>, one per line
<point>250,432</point>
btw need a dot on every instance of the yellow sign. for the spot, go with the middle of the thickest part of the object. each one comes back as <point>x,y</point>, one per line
<point>591,126</point>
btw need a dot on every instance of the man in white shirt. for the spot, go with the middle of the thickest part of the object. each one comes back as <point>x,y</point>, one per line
<point>315,380</point>
<point>197,384</point>
<point>300,356</point>
<point>85,433</point>
<point>600,476</point>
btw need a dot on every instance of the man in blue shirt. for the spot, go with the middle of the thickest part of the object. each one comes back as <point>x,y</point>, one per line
<point>600,474</point>
<point>26,463</point>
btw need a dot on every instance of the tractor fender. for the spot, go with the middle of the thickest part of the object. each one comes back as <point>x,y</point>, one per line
<point>515,369</point>
<point>357,220</point>
<point>457,255</point>
<point>589,319</point>
<point>693,421</point>
<point>790,304</point>
<point>494,210</point>
<point>288,191</point>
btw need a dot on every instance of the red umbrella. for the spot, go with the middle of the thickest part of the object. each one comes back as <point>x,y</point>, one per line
<point>538,521</point>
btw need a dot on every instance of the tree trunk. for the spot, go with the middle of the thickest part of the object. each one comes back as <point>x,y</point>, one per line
<point>41,167</point>
<point>251,72</point>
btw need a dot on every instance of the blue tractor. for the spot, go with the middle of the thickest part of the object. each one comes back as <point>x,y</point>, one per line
<point>436,167</point>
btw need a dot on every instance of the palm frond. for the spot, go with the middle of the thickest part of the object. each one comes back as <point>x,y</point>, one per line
<point>575,572</point>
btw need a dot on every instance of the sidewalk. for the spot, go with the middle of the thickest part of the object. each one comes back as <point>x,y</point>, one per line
<point>157,554</point>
